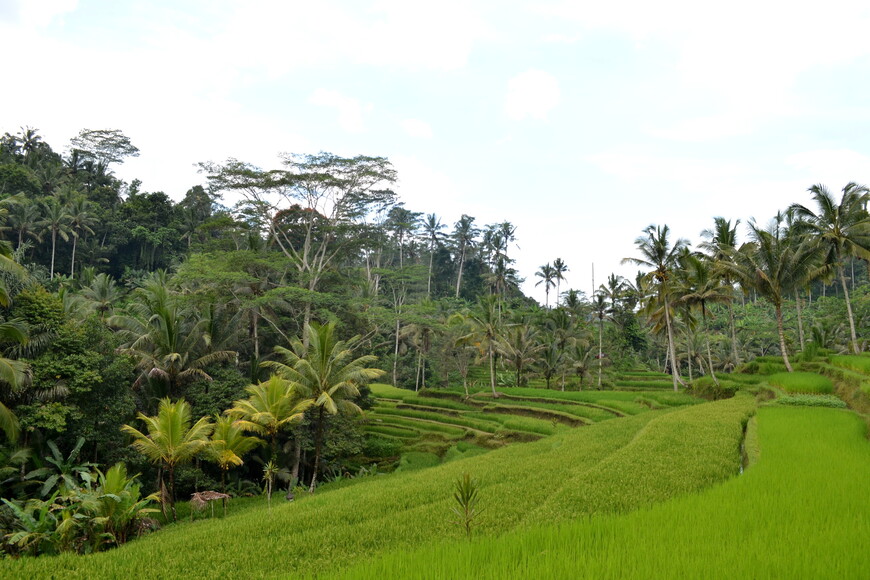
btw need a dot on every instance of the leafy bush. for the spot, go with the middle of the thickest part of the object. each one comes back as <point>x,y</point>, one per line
<point>706,388</point>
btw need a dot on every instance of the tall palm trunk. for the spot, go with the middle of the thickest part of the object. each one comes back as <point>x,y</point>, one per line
<point>600,344</point>
<point>492,370</point>
<point>800,319</point>
<point>780,329</point>
<point>318,448</point>
<point>675,371</point>
<point>72,265</point>
<point>459,277</point>
<point>429,280</point>
<point>396,354</point>
<point>707,336</point>
<point>53,244</point>
<point>734,352</point>
<point>848,309</point>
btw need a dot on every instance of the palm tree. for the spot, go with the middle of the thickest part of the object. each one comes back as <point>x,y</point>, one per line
<point>721,244</point>
<point>227,446</point>
<point>271,406</point>
<point>464,236</point>
<point>547,275</point>
<point>102,294</point>
<point>24,218</point>
<point>842,230</point>
<point>168,340</point>
<point>519,346</point>
<point>658,253</point>
<point>559,269</point>
<point>432,227</point>
<point>775,263</point>
<point>80,221</point>
<point>599,307</point>
<point>171,439</point>
<point>55,219</point>
<point>486,323</point>
<point>701,288</point>
<point>327,376</point>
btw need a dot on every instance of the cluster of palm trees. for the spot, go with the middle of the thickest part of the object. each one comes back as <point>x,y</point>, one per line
<point>314,379</point>
<point>551,276</point>
<point>777,262</point>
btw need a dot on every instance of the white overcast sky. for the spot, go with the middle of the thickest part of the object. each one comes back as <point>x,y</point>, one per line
<point>580,122</point>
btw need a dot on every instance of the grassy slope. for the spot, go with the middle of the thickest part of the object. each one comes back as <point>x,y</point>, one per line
<point>799,512</point>
<point>618,465</point>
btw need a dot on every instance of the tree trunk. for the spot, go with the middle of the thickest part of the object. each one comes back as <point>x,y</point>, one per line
<point>459,277</point>
<point>800,319</point>
<point>72,266</point>
<point>297,458</point>
<point>734,353</point>
<point>781,331</point>
<point>600,361</point>
<point>429,281</point>
<point>172,492</point>
<point>53,243</point>
<point>709,354</point>
<point>396,354</point>
<point>854,337</point>
<point>671,350</point>
<point>318,445</point>
<point>492,370</point>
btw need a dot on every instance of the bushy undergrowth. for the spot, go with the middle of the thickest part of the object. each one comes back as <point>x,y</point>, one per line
<point>802,382</point>
<point>615,466</point>
<point>768,523</point>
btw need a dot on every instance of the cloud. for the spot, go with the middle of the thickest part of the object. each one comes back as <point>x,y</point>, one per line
<point>350,110</point>
<point>40,14</point>
<point>832,167</point>
<point>533,93</point>
<point>417,128</point>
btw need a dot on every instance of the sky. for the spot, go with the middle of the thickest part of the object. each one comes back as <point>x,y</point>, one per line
<point>580,122</point>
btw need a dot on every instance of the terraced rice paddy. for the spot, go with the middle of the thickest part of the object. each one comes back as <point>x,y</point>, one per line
<point>610,467</point>
<point>799,512</point>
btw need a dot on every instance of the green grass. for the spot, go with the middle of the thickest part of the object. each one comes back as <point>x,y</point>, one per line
<point>812,401</point>
<point>852,362</point>
<point>800,511</point>
<point>802,382</point>
<point>615,466</point>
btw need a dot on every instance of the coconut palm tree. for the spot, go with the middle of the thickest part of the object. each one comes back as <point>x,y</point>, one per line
<point>464,238</point>
<point>80,221</point>
<point>547,275</point>
<point>327,376</point>
<point>432,227</point>
<point>55,220</point>
<point>702,288</point>
<point>487,326</point>
<point>774,263</point>
<point>519,346</point>
<point>656,252</point>
<point>271,407</point>
<point>226,447</point>
<point>720,243</point>
<point>168,341</point>
<point>842,230</point>
<point>171,440</point>
<point>599,308</point>
<point>559,269</point>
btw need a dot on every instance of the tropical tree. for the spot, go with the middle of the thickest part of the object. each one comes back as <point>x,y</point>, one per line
<point>171,440</point>
<point>656,252</point>
<point>464,238</point>
<point>81,219</point>
<point>842,230</point>
<point>56,221</point>
<point>519,346</point>
<point>775,263</point>
<point>702,288</point>
<point>547,275</point>
<point>271,407</point>
<point>487,326</point>
<point>720,243</point>
<point>559,269</point>
<point>227,446</point>
<point>432,227</point>
<point>327,376</point>
<point>600,309</point>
